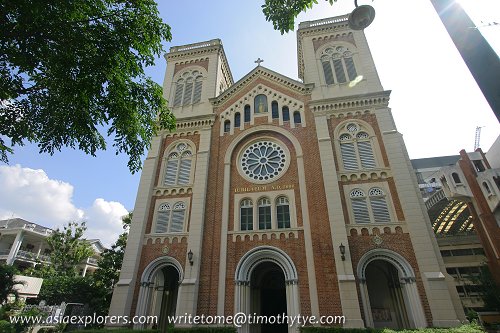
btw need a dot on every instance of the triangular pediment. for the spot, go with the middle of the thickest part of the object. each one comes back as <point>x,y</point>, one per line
<point>261,75</point>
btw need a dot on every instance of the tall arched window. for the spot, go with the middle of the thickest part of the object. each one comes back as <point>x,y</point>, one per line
<point>274,110</point>
<point>359,207</point>
<point>227,126</point>
<point>178,168</point>
<point>170,218</point>
<point>260,104</point>
<point>246,113</point>
<point>285,113</point>
<point>237,120</point>
<point>379,205</point>
<point>356,148</point>
<point>338,65</point>
<point>296,117</point>
<point>188,88</point>
<point>246,214</point>
<point>283,212</point>
<point>264,214</point>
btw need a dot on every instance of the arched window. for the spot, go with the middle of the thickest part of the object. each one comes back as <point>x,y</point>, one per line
<point>170,219</point>
<point>178,169</point>
<point>456,178</point>
<point>338,65</point>
<point>359,207</point>
<point>227,126</point>
<point>356,148</point>
<point>283,212</point>
<point>285,113</point>
<point>237,120</point>
<point>246,214</point>
<point>376,212</point>
<point>379,205</point>
<point>246,114</point>
<point>274,110</point>
<point>264,214</point>
<point>260,104</point>
<point>296,117</point>
<point>188,88</point>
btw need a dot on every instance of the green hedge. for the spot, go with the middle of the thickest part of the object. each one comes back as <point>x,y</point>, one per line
<point>470,328</point>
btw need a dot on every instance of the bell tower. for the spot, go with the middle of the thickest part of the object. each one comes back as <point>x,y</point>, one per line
<point>336,59</point>
<point>195,73</point>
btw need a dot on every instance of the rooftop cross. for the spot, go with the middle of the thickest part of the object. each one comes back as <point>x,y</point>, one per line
<point>258,61</point>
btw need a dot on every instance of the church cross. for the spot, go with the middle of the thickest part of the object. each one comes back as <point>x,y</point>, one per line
<point>258,61</point>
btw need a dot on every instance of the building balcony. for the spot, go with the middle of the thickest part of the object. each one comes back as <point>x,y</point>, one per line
<point>454,185</point>
<point>489,181</point>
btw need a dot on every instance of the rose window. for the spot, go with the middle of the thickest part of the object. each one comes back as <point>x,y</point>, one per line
<point>263,161</point>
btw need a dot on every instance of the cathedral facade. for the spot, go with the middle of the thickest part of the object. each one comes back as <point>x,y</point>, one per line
<point>280,196</point>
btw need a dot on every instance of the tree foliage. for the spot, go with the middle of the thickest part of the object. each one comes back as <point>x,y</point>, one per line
<point>111,261</point>
<point>7,282</point>
<point>72,72</point>
<point>283,12</point>
<point>68,249</point>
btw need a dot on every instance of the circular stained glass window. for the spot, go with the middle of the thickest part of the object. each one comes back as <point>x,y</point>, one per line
<point>263,161</point>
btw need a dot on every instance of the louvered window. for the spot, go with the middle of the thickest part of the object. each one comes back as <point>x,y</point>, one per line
<point>163,219</point>
<point>283,212</point>
<point>264,214</point>
<point>349,156</point>
<point>178,166</point>
<point>197,90</point>
<point>274,110</point>
<point>327,69</point>
<point>188,89</point>
<point>179,88</point>
<point>170,219</point>
<point>356,148</point>
<point>246,215</point>
<point>379,205</point>
<point>366,153</point>
<point>339,70</point>
<point>178,217</point>
<point>338,65</point>
<point>351,69</point>
<point>359,207</point>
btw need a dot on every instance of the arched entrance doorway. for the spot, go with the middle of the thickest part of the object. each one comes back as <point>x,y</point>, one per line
<point>268,296</point>
<point>386,296</point>
<point>164,301</point>
<point>266,284</point>
<point>158,291</point>
<point>389,291</point>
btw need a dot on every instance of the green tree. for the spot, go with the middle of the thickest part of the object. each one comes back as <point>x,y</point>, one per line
<point>72,72</point>
<point>110,264</point>
<point>489,289</point>
<point>283,13</point>
<point>7,282</point>
<point>68,249</point>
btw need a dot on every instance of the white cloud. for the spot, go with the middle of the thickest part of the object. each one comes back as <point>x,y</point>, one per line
<point>104,220</point>
<point>33,196</point>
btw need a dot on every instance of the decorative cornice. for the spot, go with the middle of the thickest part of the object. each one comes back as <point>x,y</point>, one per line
<point>349,103</point>
<point>261,71</point>
<point>198,122</point>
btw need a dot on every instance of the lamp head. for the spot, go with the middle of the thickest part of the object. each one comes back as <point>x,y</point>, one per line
<point>361,17</point>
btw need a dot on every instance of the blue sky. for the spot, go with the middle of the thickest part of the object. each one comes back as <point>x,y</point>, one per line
<point>435,101</point>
